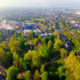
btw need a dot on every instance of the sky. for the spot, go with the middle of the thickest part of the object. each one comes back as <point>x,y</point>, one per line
<point>40,3</point>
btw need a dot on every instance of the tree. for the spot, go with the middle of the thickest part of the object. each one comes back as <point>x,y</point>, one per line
<point>73,65</point>
<point>58,44</point>
<point>26,64</point>
<point>28,75</point>
<point>44,76</point>
<point>51,29</point>
<point>63,53</point>
<point>44,40</point>
<point>42,69</point>
<point>30,55</point>
<point>43,51</point>
<point>36,75</point>
<point>8,59</point>
<point>28,59</point>
<point>50,44</point>
<point>31,35</point>
<point>12,73</point>
<point>39,37</point>
<point>4,44</point>
<point>71,61</point>
<point>36,60</point>
<point>2,56</point>
<point>14,45</point>
<point>22,42</point>
<point>1,36</point>
<point>51,37</point>
<point>61,71</point>
<point>35,41</point>
<point>17,61</point>
<point>56,33</point>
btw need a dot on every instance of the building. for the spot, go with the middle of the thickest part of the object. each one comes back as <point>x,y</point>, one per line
<point>3,24</point>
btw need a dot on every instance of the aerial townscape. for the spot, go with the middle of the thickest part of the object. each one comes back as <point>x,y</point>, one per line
<point>40,44</point>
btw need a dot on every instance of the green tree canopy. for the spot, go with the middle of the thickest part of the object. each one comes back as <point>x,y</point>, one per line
<point>44,76</point>
<point>14,45</point>
<point>12,73</point>
<point>63,53</point>
<point>36,75</point>
<point>28,75</point>
<point>2,56</point>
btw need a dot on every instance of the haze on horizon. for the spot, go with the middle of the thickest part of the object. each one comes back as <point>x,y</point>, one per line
<point>40,3</point>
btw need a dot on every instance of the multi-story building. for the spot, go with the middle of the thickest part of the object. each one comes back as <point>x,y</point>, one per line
<point>3,24</point>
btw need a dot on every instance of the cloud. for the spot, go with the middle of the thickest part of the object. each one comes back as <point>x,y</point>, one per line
<point>39,3</point>
<point>23,3</point>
